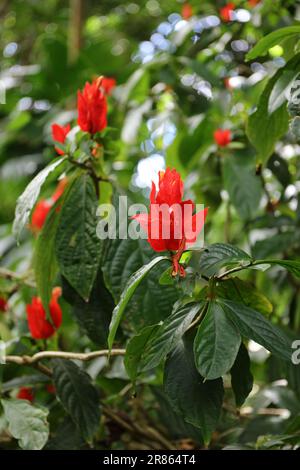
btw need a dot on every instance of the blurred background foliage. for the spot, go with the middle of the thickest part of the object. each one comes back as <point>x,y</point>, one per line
<point>178,80</point>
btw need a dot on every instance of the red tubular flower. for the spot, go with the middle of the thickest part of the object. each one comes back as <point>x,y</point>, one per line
<point>226,12</point>
<point>171,225</point>
<point>222,137</point>
<point>3,304</point>
<point>108,84</point>
<point>26,393</point>
<point>39,214</point>
<point>59,134</point>
<point>92,107</point>
<point>39,326</point>
<point>186,11</point>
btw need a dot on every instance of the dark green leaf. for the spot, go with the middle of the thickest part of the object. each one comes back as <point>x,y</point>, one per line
<point>198,402</point>
<point>254,326</point>
<point>241,377</point>
<point>216,343</point>
<point>219,255</point>
<point>169,334</point>
<point>128,292</point>
<point>77,395</point>
<point>78,248</point>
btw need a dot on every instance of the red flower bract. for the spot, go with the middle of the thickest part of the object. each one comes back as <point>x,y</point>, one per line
<point>108,84</point>
<point>59,134</point>
<point>39,326</point>
<point>171,224</point>
<point>26,393</point>
<point>92,107</point>
<point>226,12</point>
<point>3,304</point>
<point>222,137</point>
<point>40,213</point>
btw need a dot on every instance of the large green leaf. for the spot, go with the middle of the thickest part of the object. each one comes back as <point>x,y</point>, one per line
<point>293,266</point>
<point>151,301</point>
<point>198,402</point>
<point>26,423</point>
<point>253,325</point>
<point>126,295</point>
<point>169,334</point>
<point>219,255</point>
<point>241,377</point>
<point>78,248</point>
<point>93,316</point>
<point>78,396</point>
<point>264,129</point>
<point>29,197</point>
<point>216,343</point>
<point>135,350</point>
<point>243,185</point>
<point>271,40</point>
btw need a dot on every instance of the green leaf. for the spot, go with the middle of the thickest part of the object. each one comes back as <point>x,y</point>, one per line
<point>135,350</point>
<point>198,402</point>
<point>44,262</point>
<point>77,395</point>
<point>93,316</point>
<point>245,292</point>
<point>279,93</point>
<point>216,343</point>
<point>128,292</point>
<point>241,377</point>
<point>243,185</point>
<point>29,197</point>
<point>219,255</point>
<point>26,423</point>
<point>151,301</point>
<point>169,334</point>
<point>253,325</point>
<point>78,248</point>
<point>264,129</point>
<point>293,266</point>
<point>271,40</point>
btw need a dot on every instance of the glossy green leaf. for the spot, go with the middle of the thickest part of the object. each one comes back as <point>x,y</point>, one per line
<point>198,402</point>
<point>128,292</point>
<point>271,40</point>
<point>29,197</point>
<point>216,343</point>
<point>253,325</point>
<point>219,255</point>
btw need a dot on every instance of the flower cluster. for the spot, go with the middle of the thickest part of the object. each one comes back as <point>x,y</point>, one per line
<point>171,224</point>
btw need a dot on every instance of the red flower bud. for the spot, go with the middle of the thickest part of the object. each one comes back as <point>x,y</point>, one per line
<point>92,107</point>
<point>39,326</point>
<point>186,11</point>
<point>59,134</point>
<point>226,12</point>
<point>222,137</point>
<point>26,393</point>
<point>39,214</point>
<point>3,304</point>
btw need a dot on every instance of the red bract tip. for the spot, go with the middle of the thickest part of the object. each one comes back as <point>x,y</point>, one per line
<point>222,137</point>
<point>92,108</point>
<point>59,134</point>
